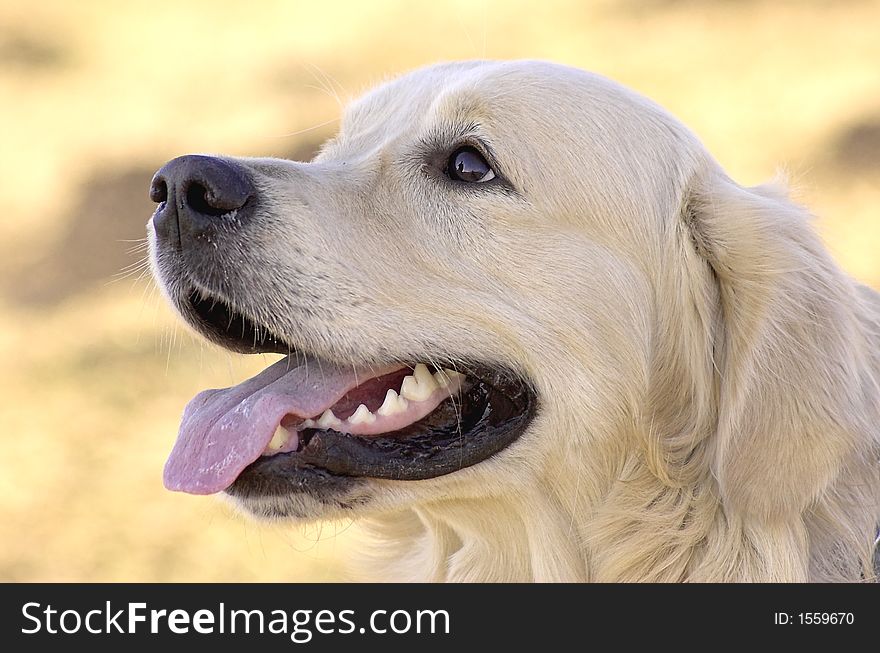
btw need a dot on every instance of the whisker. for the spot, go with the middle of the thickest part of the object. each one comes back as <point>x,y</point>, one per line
<point>308,129</point>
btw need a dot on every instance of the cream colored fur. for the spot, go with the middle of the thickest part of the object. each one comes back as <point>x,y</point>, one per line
<point>709,379</point>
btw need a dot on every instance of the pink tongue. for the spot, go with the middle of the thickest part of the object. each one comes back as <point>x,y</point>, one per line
<point>224,431</point>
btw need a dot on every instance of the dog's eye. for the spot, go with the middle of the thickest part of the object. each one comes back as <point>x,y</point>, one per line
<point>467,164</point>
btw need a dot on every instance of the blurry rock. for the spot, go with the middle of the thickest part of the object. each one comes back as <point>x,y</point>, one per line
<point>29,51</point>
<point>857,147</point>
<point>97,237</point>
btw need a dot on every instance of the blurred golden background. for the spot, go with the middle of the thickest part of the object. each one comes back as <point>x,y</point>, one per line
<point>95,95</point>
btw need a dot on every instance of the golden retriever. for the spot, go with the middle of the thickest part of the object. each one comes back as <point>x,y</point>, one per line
<point>531,331</point>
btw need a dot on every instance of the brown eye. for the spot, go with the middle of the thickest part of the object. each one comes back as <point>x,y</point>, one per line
<point>467,164</point>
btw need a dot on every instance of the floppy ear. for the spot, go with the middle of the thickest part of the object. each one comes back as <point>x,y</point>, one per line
<point>792,395</point>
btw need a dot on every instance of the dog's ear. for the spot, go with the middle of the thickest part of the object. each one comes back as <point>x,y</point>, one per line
<point>791,393</point>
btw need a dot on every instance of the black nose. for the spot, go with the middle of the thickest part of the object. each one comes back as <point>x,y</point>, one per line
<point>198,192</point>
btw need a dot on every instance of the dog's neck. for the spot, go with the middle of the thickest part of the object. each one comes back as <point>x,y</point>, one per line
<point>640,529</point>
<point>503,539</point>
<point>541,532</point>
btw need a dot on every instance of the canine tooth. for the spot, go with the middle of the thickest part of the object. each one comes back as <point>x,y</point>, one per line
<point>279,438</point>
<point>393,404</point>
<point>307,424</point>
<point>327,419</point>
<point>445,377</point>
<point>424,377</point>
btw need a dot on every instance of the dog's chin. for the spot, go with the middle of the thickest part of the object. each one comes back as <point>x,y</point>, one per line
<point>337,500</point>
<point>328,470</point>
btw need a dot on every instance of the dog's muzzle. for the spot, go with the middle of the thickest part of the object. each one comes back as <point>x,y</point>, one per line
<point>307,425</point>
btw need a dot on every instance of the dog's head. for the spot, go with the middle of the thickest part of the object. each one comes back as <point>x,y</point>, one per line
<point>494,270</point>
<point>454,260</point>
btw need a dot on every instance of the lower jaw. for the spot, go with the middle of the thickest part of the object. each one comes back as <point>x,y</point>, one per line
<point>492,411</point>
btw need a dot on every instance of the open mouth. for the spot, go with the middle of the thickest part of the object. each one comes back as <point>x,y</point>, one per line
<point>305,420</point>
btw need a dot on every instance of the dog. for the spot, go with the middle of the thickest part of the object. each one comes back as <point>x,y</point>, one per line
<point>531,331</point>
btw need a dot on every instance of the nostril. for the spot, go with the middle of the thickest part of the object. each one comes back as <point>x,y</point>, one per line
<point>201,200</point>
<point>195,191</point>
<point>159,191</point>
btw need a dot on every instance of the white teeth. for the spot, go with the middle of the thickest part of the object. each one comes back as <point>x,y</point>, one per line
<point>279,439</point>
<point>419,386</point>
<point>327,420</point>
<point>445,377</point>
<point>393,404</point>
<point>410,389</point>
<point>424,377</point>
<point>362,416</point>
